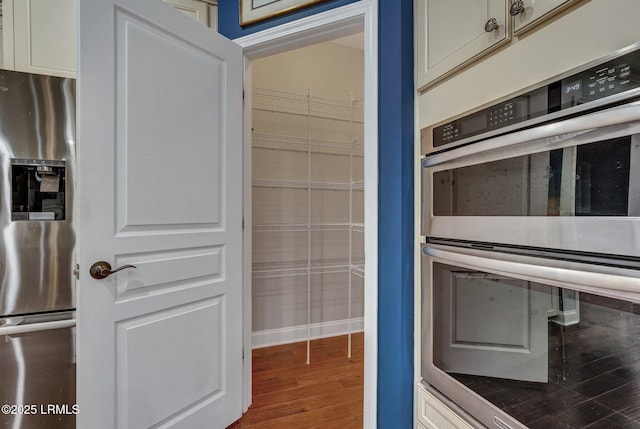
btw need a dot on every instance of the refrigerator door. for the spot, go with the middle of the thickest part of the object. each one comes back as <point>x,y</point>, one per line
<point>37,138</point>
<point>38,380</point>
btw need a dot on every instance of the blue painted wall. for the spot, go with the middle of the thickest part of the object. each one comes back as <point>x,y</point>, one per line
<point>395,193</point>
<point>395,215</point>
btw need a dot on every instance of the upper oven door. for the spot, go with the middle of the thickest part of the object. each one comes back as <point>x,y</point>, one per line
<point>572,185</point>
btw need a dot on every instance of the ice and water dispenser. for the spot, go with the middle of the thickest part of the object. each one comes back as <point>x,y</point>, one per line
<point>37,190</point>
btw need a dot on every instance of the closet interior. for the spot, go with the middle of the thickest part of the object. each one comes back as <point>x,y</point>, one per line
<point>308,195</point>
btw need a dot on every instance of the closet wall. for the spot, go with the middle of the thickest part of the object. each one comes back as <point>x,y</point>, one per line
<point>308,194</point>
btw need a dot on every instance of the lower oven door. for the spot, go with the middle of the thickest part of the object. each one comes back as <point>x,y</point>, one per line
<point>572,186</point>
<point>527,342</point>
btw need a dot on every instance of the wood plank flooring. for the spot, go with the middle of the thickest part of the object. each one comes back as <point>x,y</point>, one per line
<point>288,393</point>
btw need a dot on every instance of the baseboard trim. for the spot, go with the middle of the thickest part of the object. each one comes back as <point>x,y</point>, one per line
<point>294,334</point>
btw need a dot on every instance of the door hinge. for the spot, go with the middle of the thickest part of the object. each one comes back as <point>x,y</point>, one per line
<point>243,353</point>
<point>76,272</point>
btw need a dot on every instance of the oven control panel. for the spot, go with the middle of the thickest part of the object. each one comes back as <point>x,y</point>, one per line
<point>593,85</point>
<point>612,76</point>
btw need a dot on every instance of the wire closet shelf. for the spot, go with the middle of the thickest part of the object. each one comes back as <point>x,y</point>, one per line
<point>310,108</point>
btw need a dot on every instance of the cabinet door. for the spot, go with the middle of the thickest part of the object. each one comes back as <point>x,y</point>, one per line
<point>195,9</point>
<point>433,414</point>
<point>451,34</point>
<point>40,36</point>
<point>533,12</point>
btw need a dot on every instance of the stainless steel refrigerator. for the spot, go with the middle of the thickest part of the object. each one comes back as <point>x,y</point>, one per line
<point>37,326</point>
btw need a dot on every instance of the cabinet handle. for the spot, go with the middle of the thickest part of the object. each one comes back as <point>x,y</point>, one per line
<point>517,7</point>
<point>492,24</point>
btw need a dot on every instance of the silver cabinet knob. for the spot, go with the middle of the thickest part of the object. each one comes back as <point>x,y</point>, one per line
<point>491,25</point>
<point>102,269</point>
<point>517,7</point>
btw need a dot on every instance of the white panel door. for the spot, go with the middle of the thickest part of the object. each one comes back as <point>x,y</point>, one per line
<point>490,325</point>
<point>160,188</point>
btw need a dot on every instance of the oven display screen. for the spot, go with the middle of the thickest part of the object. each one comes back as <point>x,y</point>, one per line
<point>473,124</point>
<point>609,79</point>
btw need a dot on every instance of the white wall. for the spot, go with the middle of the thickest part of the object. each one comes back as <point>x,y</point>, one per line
<point>328,69</point>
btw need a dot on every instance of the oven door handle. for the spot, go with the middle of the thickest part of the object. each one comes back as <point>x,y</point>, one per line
<point>621,282</point>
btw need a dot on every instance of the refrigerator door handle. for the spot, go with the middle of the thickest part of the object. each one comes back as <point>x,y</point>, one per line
<point>14,329</point>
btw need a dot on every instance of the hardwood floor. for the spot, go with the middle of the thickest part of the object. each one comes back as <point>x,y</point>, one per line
<point>288,393</point>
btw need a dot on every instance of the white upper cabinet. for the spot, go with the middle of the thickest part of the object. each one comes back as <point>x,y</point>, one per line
<point>452,33</point>
<point>40,36</point>
<point>529,13</point>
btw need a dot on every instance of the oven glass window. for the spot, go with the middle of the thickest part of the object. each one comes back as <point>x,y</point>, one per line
<point>586,180</point>
<point>547,356</point>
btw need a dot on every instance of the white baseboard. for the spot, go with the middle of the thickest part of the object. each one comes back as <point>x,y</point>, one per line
<point>567,318</point>
<point>294,334</point>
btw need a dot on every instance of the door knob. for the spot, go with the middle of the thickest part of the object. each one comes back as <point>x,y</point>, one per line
<point>102,269</point>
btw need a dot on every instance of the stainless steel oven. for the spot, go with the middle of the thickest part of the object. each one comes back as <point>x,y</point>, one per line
<point>560,172</point>
<point>531,252</point>
<point>575,189</point>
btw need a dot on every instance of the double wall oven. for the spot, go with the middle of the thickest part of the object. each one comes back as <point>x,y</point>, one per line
<point>531,252</point>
